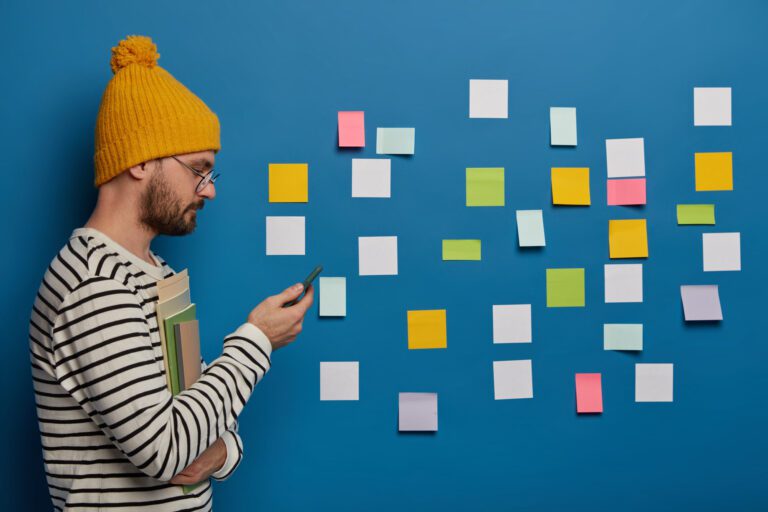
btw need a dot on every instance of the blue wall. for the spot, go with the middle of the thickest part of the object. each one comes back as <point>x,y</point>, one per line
<point>276,72</point>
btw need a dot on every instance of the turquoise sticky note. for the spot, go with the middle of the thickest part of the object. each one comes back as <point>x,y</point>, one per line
<point>333,296</point>
<point>623,337</point>
<point>530,228</point>
<point>395,141</point>
<point>562,126</point>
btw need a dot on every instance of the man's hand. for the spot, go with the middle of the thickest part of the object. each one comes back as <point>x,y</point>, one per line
<point>282,325</point>
<point>209,462</point>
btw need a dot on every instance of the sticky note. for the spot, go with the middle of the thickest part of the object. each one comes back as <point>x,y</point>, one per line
<point>512,323</point>
<point>454,250</point>
<point>626,157</point>
<point>377,255</point>
<point>722,251</point>
<point>485,186</point>
<point>622,336</point>
<point>351,129</point>
<point>627,238</point>
<point>371,177</point>
<point>340,380</point>
<point>512,379</point>
<point>333,296</point>
<point>417,412</point>
<point>285,236</point>
<point>701,302</point>
<point>589,393</point>
<point>427,329</point>
<point>653,382</point>
<point>626,192</point>
<point>570,186</point>
<point>530,228</point>
<point>712,106</point>
<point>714,171</point>
<point>562,126</point>
<point>395,141</point>
<point>488,99</point>
<point>624,282</point>
<point>288,183</point>
<point>565,287</point>
<point>695,214</point>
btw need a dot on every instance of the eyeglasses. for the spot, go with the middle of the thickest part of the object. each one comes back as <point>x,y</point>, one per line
<point>205,179</point>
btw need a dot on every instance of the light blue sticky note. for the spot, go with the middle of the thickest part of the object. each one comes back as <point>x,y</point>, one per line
<point>623,336</point>
<point>333,296</point>
<point>562,126</point>
<point>395,141</point>
<point>530,228</point>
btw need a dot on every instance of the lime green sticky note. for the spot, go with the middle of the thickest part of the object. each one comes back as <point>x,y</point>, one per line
<point>565,287</point>
<point>485,186</point>
<point>461,250</point>
<point>695,214</point>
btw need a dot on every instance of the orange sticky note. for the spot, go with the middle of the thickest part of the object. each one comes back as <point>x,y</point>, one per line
<point>589,393</point>
<point>628,238</point>
<point>427,329</point>
<point>714,171</point>
<point>626,192</point>
<point>352,129</point>
<point>570,186</point>
<point>288,183</point>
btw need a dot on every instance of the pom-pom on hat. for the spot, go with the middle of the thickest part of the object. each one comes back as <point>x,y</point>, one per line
<point>145,113</point>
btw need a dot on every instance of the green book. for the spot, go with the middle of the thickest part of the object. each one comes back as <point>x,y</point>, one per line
<point>185,315</point>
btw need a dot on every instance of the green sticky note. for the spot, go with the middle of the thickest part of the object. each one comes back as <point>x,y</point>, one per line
<point>562,126</point>
<point>395,141</point>
<point>623,336</point>
<point>485,186</point>
<point>565,287</point>
<point>530,228</point>
<point>695,214</point>
<point>333,296</point>
<point>461,250</point>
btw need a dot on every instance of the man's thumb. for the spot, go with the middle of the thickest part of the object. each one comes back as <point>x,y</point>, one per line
<point>291,292</point>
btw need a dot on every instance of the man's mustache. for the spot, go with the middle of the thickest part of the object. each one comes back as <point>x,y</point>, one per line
<point>197,206</point>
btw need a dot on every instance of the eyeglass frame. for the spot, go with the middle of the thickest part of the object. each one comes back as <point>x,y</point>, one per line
<point>210,177</point>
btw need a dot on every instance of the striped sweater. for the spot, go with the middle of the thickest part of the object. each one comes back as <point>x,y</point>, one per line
<point>112,433</point>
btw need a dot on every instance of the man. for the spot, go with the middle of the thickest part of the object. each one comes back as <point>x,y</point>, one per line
<point>113,436</point>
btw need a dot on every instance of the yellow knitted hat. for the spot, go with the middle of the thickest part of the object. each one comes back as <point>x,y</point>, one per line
<point>146,113</point>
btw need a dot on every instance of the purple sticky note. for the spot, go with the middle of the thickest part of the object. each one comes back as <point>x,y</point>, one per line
<point>418,412</point>
<point>701,302</point>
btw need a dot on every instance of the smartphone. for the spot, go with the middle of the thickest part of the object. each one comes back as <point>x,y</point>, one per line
<point>307,281</point>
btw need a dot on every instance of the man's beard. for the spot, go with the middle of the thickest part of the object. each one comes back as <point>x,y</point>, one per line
<point>163,212</point>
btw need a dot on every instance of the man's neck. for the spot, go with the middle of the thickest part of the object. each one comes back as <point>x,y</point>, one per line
<point>130,234</point>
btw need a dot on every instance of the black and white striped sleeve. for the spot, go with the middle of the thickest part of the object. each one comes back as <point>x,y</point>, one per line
<point>104,357</point>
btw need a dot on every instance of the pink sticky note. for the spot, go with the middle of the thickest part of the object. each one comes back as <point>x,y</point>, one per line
<point>352,129</point>
<point>589,393</point>
<point>626,192</point>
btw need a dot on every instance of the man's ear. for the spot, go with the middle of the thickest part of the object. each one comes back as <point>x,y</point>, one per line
<point>140,171</point>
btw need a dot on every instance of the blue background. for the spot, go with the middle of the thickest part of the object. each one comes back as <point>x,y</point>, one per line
<point>276,73</point>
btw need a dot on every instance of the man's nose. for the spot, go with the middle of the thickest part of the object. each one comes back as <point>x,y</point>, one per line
<point>209,192</point>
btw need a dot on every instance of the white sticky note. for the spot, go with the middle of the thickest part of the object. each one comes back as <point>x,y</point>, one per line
<point>653,382</point>
<point>512,323</point>
<point>626,157</point>
<point>377,255</point>
<point>722,251</point>
<point>562,126</point>
<point>285,236</point>
<point>624,282</point>
<point>417,412</point>
<point>712,106</point>
<point>488,99</point>
<point>371,177</point>
<point>622,336</point>
<point>512,379</point>
<point>340,380</point>
<point>333,296</point>
<point>530,228</point>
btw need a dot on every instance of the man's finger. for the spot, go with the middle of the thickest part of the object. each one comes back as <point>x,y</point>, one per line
<point>306,301</point>
<point>290,293</point>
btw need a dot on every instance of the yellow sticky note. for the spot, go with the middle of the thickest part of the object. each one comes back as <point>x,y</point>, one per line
<point>426,329</point>
<point>628,238</point>
<point>714,171</point>
<point>288,183</point>
<point>570,185</point>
